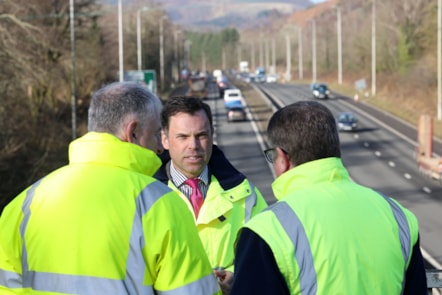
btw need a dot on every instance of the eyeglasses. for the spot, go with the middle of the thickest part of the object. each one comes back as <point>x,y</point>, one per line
<point>270,154</point>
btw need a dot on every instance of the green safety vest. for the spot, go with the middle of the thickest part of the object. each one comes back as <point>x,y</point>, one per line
<point>330,235</point>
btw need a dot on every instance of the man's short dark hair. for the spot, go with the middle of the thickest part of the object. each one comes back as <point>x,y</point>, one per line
<point>306,131</point>
<point>184,104</point>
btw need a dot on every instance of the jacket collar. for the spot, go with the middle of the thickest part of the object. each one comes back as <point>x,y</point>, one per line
<point>106,149</point>
<point>308,174</point>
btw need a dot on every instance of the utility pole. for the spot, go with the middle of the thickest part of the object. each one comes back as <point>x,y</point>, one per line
<point>439,60</point>
<point>177,54</point>
<point>339,24</point>
<point>139,53</point>
<point>253,57</point>
<point>301,70</point>
<point>267,55</point>
<point>162,51</point>
<point>73,72</point>
<point>314,50</point>
<point>261,53</point>
<point>289,58</point>
<point>373,50</point>
<point>120,39</point>
<point>274,56</point>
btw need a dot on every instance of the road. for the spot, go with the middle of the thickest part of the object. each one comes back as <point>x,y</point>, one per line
<point>379,155</point>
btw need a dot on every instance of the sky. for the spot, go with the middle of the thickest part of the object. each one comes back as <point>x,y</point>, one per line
<point>317,1</point>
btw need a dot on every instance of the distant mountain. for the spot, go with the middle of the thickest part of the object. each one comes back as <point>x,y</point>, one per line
<point>223,13</point>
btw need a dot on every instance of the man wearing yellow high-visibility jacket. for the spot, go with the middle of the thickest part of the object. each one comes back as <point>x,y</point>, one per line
<point>229,198</point>
<point>102,224</point>
<point>326,234</point>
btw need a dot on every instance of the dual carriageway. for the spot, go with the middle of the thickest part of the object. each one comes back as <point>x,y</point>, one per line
<point>379,155</point>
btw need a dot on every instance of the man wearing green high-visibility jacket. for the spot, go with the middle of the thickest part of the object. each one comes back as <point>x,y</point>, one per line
<point>326,234</point>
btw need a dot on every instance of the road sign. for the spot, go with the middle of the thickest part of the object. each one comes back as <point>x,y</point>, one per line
<point>147,77</point>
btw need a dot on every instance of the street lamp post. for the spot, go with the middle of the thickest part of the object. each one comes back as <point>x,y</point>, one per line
<point>439,60</point>
<point>73,74</point>
<point>301,70</point>
<point>162,51</point>
<point>120,39</point>
<point>253,57</point>
<point>313,50</point>
<point>177,54</point>
<point>274,56</point>
<point>139,35</point>
<point>339,26</point>
<point>187,50</point>
<point>373,50</point>
<point>289,58</point>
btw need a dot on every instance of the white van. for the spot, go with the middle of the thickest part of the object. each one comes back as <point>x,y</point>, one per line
<point>231,95</point>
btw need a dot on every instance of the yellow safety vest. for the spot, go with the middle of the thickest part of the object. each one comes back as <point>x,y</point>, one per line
<point>222,215</point>
<point>102,225</point>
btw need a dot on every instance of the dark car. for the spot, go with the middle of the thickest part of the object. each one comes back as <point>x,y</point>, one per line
<point>198,87</point>
<point>347,121</point>
<point>320,91</point>
<point>223,84</point>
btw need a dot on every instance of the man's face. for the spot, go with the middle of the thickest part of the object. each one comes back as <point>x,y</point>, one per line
<point>189,141</point>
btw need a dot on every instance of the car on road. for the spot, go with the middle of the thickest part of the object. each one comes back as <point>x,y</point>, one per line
<point>236,114</point>
<point>232,95</point>
<point>198,87</point>
<point>223,84</point>
<point>320,90</point>
<point>235,107</point>
<point>347,121</point>
<point>272,78</point>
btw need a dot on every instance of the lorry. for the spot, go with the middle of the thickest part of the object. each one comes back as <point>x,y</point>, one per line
<point>260,75</point>
<point>426,162</point>
<point>243,66</point>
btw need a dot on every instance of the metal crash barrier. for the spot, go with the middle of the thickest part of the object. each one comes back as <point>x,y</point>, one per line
<point>434,281</point>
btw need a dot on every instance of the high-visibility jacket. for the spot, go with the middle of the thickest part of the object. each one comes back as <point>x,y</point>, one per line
<point>230,202</point>
<point>330,235</point>
<point>102,225</point>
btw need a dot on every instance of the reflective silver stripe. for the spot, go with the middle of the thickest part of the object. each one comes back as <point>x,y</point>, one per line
<point>208,284</point>
<point>250,203</point>
<point>77,284</point>
<point>404,234</point>
<point>295,231</point>
<point>135,265</point>
<point>10,279</point>
<point>23,225</point>
<point>303,254</point>
<point>404,229</point>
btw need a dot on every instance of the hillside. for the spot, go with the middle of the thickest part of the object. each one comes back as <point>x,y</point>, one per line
<point>211,14</point>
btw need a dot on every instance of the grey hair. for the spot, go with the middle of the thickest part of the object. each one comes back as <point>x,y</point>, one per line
<point>113,103</point>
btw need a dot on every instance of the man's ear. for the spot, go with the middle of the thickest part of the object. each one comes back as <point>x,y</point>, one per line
<point>283,160</point>
<point>164,140</point>
<point>130,132</point>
